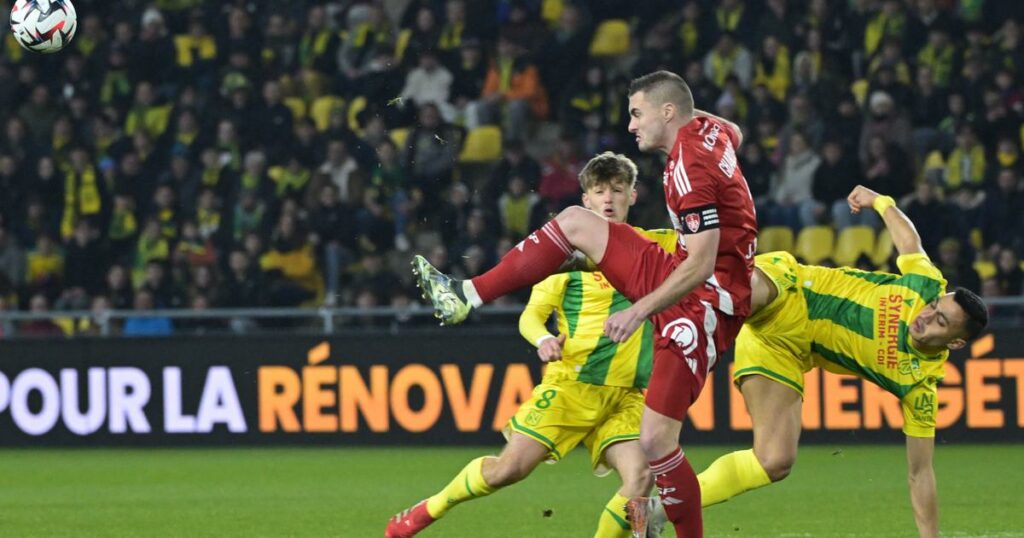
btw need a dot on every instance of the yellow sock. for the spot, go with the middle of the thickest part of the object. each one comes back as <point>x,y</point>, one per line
<point>613,522</point>
<point>731,475</point>
<point>468,484</point>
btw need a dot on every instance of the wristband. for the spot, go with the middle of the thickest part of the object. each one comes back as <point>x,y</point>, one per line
<point>882,203</point>
<point>543,338</point>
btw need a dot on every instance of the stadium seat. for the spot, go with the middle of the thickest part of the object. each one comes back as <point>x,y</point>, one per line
<point>354,109</point>
<point>883,250</point>
<point>482,145</point>
<point>814,244</point>
<point>985,269</point>
<point>774,238</point>
<point>551,11</point>
<point>852,243</point>
<point>610,39</point>
<point>297,106</point>
<point>399,136</point>
<point>322,108</point>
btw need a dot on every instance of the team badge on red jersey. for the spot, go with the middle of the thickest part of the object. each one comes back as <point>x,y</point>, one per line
<point>693,222</point>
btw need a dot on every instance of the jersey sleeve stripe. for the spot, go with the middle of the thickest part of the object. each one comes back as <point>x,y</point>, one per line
<point>843,312</point>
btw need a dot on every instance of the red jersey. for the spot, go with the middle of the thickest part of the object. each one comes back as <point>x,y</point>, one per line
<point>705,189</point>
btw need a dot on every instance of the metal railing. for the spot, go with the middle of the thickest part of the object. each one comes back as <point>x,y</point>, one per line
<point>1007,311</point>
<point>328,319</point>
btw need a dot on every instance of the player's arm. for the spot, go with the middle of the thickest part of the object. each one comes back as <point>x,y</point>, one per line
<point>738,138</point>
<point>921,478</point>
<point>699,265</point>
<point>533,323</point>
<point>904,235</point>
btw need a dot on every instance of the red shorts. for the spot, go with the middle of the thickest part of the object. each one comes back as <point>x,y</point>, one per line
<point>689,336</point>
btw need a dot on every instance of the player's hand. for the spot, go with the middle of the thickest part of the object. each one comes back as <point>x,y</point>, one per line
<point>860,198</point>
<point>550,349</point>
<point>621,325</point>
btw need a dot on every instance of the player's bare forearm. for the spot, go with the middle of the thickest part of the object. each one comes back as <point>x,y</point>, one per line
<point>921,479</point>
<point>904,234</point>
<point>698,266</point>
<point>735,128</point>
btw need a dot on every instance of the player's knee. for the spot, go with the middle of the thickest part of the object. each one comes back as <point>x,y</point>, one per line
<point>572,220</point>
<point>778,466</point>
<point>656,443</point>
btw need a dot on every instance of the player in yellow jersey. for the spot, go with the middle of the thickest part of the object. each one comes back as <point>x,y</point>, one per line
<point>895,331</point>
<point>592,388</point>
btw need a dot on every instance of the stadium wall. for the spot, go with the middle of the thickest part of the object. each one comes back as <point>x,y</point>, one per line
<point>418,388</point>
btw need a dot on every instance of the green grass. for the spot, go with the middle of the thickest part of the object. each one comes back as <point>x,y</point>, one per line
<point>855,491</point>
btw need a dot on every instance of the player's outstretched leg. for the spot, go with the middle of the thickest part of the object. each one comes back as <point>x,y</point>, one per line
<point>775,412</point>
<point>628,459</point>
<point>529,262</point>
<point>479,478</point>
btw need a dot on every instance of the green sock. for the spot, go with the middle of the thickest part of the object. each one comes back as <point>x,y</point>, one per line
<point>468,484</point>
<point>731,475</point>
<point>613,522</point>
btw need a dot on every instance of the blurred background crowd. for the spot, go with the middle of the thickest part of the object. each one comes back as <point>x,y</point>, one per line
<point>198,154</point>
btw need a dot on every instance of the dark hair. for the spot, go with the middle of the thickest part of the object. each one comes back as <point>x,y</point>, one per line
<point>664,87</point>
<point>975,309</point>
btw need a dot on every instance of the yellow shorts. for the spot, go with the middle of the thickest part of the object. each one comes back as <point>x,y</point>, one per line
<point>563,412</point>
<point>775,342</point>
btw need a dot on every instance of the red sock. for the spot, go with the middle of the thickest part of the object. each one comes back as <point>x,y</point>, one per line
<point>680,493</point>
<point>529,262</point>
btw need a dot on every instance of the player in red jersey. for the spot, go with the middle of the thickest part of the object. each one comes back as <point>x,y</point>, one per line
<point>697,298</point>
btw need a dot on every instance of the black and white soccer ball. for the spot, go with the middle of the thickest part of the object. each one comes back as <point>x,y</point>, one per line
<point>45,26</point>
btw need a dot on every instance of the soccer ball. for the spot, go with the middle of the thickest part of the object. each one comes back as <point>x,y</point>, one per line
<point>45,26</point>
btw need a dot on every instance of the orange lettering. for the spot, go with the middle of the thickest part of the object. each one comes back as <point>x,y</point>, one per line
<point>811,416</point>
<point>702,412</point>
<point>515,389</point>
<point>878,404</point>
<point>980,393</point>
<point>951,398</point>
<point>371,403</point>
<point>468,411</point>
<point>426,417</point>
<point>1015,368</point>
<point>278,394</point>
<point>839,391</point>
<point>739,419</point>
<point>315,398</point>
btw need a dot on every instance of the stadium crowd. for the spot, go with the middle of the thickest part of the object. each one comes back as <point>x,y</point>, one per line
<point>196,154</point>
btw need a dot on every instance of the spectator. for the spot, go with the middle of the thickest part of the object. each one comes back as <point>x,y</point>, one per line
<point>794,206</point>
<point>84,259</point>
<point>729,58</point>
<point>290,266</point>
<point>1002,213</point>
<point>887,168</point>
<point>118,288</point>
<point>243,283</point>
<point>430,82</point>
<point>944,221</point>
<point>40,328</point>
<point>834,180</point>
<point>886,122</point>
<point>1009,274</point>
<point>512,91</point>
<point>955,268</point>
<point>334,234</point>
<point>559,179</point>
<point>965,167</point>
<point>147,325</point>
<point>432,149</point>
<point>515,206</point>
<point>564,50</point>
<point>12,257</point>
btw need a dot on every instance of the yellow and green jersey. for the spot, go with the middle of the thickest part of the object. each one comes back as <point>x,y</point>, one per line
<point>583,301</point>
<point>859,325</point>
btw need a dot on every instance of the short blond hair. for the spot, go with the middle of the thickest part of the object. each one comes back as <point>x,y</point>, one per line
<point>608,168</point>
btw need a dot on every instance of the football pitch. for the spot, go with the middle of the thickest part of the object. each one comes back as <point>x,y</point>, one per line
<point>834,491</point>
